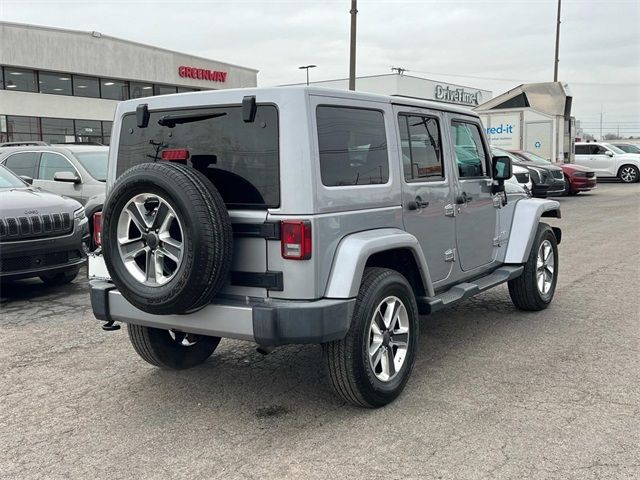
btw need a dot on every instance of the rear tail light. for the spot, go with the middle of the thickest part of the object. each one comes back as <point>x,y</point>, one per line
<point>295,239</point>
<point>97,229</point>
<point>172,154</point>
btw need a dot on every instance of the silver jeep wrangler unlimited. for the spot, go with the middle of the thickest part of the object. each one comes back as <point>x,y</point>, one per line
<point>306,215</point>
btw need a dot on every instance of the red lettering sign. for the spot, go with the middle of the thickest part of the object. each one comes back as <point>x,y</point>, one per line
<point>202,74</point>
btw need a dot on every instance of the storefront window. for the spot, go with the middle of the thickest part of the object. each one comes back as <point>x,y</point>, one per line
<point>106,132</point>
<point>187,89</point>
<point>20,79</point>
<point>139,90</point>
<point>58,130</point>
<point>86,86</point>
<point>23,125</point>
<point>88,131</point>
<point>163,89</point>
<point>114,89</point>
<point>55,83</point>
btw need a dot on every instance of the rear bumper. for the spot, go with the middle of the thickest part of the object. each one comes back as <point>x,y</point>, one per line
<point>31,258</point>
<point>269,323</point>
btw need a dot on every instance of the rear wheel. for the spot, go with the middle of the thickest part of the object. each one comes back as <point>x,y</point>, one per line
<point>60,278</point>
<point>167,236</point>
<point>171,350</point>
<point>371,365</point>
<point>534,289</point>
<point>629,174</point>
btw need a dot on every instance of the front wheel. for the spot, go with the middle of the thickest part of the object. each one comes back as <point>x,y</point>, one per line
<point>371,365</point>
<point>629,174</point>
<point>171,350</point>
<point>534,289</point>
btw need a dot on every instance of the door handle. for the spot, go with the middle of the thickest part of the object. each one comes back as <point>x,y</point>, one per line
<point>463,198</point>
<point>417,203</point>
<point>421,203</point>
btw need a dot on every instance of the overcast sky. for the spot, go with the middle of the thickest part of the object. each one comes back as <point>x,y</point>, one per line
<point>486,44</point>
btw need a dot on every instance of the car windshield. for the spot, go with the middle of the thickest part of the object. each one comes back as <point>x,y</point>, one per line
<point>9,180</point>
<point>95,163</point>
<point>629,148</point>
<point>613,148</point>
<point>532,157</point>
<point>496,152</point>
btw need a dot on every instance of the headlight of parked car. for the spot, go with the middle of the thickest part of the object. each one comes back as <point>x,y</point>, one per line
<point>535,175</point>
<point>79,213</point>
<point>579,174</point>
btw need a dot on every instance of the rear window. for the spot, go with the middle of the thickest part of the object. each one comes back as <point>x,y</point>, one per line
<point>241,159</point>
<point>353,146</point>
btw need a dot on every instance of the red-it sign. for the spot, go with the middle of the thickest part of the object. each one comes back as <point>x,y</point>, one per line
<point>202,74</point>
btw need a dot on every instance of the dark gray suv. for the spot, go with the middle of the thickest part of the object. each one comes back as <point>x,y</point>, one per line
<point>41,234</point>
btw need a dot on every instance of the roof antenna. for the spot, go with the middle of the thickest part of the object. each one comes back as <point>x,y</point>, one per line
<point>400,70</point>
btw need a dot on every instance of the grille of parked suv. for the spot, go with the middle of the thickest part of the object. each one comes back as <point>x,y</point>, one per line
<point>557,174</point>
<point>35,226</point>
<point>522,177</point>
<point>29,262</point>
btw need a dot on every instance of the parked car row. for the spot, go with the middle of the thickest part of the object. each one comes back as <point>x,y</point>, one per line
<point>45,231</point>
<point>592,160</point>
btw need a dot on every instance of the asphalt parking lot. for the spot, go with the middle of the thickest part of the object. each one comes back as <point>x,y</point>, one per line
<point>496,393</point>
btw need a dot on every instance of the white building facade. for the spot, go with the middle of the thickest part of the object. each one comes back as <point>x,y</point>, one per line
<point>61,85</point>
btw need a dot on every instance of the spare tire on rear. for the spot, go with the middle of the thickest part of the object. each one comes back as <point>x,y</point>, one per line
<point>167,238</point>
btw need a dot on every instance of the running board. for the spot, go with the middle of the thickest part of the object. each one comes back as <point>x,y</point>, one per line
<point>465,290</point>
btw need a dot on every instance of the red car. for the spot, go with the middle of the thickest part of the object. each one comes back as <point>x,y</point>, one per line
<point>579,178</point>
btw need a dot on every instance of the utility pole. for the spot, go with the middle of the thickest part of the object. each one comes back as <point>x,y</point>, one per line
<point>555,65</point>
<point>601,123</point>
<point>352,49</point>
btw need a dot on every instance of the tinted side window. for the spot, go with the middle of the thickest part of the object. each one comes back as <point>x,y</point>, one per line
<point>598,150</point>
<point>469,151</point>
<point>86,86</point>
<point>55,83</point>
<point>353,146</point>
<point>421,148</point>
<point>23,163</point>
<point>20,79</point>
<point>582,149</point>
<point>52,163</point>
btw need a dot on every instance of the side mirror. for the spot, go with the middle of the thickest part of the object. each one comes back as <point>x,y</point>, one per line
<point>66,177</point>
<point>27,179</point>
<point>501,168</point>
<point>609,153</point>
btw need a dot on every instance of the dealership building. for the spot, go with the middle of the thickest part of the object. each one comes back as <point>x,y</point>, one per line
<point>402,85</point>
<point>60,85</point>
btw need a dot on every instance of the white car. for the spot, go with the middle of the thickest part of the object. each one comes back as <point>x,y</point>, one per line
<point>521,178</point>
<point>609,161</point>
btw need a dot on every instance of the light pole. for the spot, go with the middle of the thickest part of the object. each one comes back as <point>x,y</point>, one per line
<point>307,67</point>
<point>352,45</point>
<point>557,60</point>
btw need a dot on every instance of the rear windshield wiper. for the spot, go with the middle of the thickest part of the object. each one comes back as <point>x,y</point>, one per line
<point>173,120</point>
